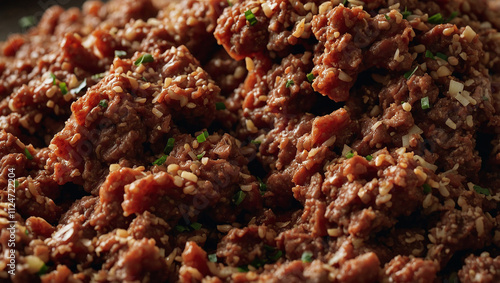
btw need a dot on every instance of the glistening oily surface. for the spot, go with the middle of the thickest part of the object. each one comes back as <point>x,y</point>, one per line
<point>281,140</point>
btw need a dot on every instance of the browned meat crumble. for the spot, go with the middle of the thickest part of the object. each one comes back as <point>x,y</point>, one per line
<point>253,141</point>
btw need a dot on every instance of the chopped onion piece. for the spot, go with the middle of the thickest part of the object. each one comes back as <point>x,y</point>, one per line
<point>455,88</point>
<point>425,163</point>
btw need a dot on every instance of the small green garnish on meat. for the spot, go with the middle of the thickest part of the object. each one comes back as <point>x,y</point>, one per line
<point>212,257</point>
<point>480,190</point>
<point>63,88</point>
<point>28,154</point>
<point>307,257</point>
<point>369,157</point>
<point>54,79</point>
<point>250,17</point>
<point>196,226</point>
<point>120,53</point>
<point>427,188</point>
<point>424,102</point>
<point>220,106</point>
<point>452,16</point>
<point>429,54</point>
<point>289,83</point>
<point>256,142</point>
<point>387,17</point>
<point>180,228</point>
<point>406,13</point>
<point>239,197</point>
<point>160,161</point>
<point>170,146</point>
<point>43,270</point>
<point>350,154</point>
<point>442,56</point>
<point>26,232</point>
<point>200,156</point>
<point>410,73</point>
<point>310,77</point>
<point>103,103</point>
<point>98,76</point>
<point>80,87</point>
<point>201,137</point>
<point>436,19</point>
<point>27,22</point>
<point>146,58</point>
<point>262,186</point>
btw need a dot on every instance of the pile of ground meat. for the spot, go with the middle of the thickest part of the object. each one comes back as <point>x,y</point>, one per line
<point>253,140</point>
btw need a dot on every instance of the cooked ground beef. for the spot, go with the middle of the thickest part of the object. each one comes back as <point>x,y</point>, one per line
<point>242,140</point>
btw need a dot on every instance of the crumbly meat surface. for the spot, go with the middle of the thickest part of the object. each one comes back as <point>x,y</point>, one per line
<point>252,141</point>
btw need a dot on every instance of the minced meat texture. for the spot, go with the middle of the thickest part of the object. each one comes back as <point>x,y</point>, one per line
<point>252,141</point>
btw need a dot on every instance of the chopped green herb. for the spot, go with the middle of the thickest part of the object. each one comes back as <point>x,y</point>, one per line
<point>427,188</point>
<point>243,268</point>
<point>196,226</point>
<point>54,79</point>
<point>406,13</point>
<point>250,17</point>
<point>27,22</point>
<point>350,154</point>
<point>26,232</point>
<point>262,186</point>
<point>424,102</point>
<point>289,83</point>
<point>436,19</point>
<point>429,54</point>
<point>452,16</point>
<point>307,257</point>
<point>80,87</point>
<point>258,263</point>
<point>256,142</point>
<point>212,257</point>
<point>387,17</point>
<point>483,191</point>
<point>206,134</point>
<point>180,228</point>
<point>200,156</point>
<point>276,256</point>
<point>220,106</point>
<point>28,154</point>
<point>16,184</point>
<point>345,3</point>
<point>144,79</point>
<point>403,102</point>
<point>146,58</point>
<point>201,138</point>
<point>103,103</point>
<point>63,88</point>
<point>239,197</point>
<point>97,76</point>
<point>442,56</point>
<point>369,157</point>
<point>160,161</point>
<point>170,146</point>
<point>485,98</point>
<point>310,77</point>
<point>43,270</point>
<point>410,73</point>
<point>120,53</point>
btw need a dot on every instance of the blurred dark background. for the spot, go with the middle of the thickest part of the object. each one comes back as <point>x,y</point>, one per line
<point>12,11</point>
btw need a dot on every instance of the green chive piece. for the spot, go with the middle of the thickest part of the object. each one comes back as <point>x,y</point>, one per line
<point>442,56</point>
<point>250,17</point>
<point>424,102</point>
<point>63,88</point>
<point>350,154</point>
<point>146,58</point>
<point>43,270</point>
<point>369,157</point>
<point>200,156</point>
<point>483,191</point>
<point>256,142</point>
<point>276,256</point>
<point>27,22</point>
<point>201,138</point>
<point>262,186</point>
<point>160,161</point>
<point>387,17</point>
<point>80,87</point>
<point>429,54</point>
<point>243,268</point>
<point>307,257</point>
<point>220,106</point>
<point>212,257</point>
<point>120,53</point>
<point>427,188</point>
<point>26,232</point>
<point>452,16</point>
<point>410,73</point>
<point>289,83</point>
<point>436,19</point>
<point>310,77</point>
<point>103,103</point>
<point>98,76</point>
<point>239,197</point>
<point>170,146</point>
<point>196,226</point>
<point>180,228</point>
<point>28,154</point>
<point>54,79</point>
<point>406,13</point>
<point>206,134</point>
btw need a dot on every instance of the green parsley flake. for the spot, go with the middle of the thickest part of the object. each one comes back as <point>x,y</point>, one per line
<point>427,188</point>
<point>120,53</point>
<point>442,56</point>
<point>369,157</point>
<point>239,197</point>
<point>196,226</point>
<point>250,17</point>
<point>54,79</point>
<point>160,161</point>
<point>212,257</point>
<point>180,228</point>
<point>146,58</point>
<point>387,17</point>
<point>289,83</point>
<point>80,87</point>
<point>310,77</point>
<point>424,102</point>
<point>410,73</point>
<point>63,88</point>
<point>103,103</point>
<point>307,257</point>
<point>16,184</point>
<point>350,154</point>
<point>170,146</point>
<point>429,54</point>
<point>436,19</point>
<point>43,270</point>
<point>28,154</point>
<point>480,190</point>
<point>220,106</point>
<point>27,22</point>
